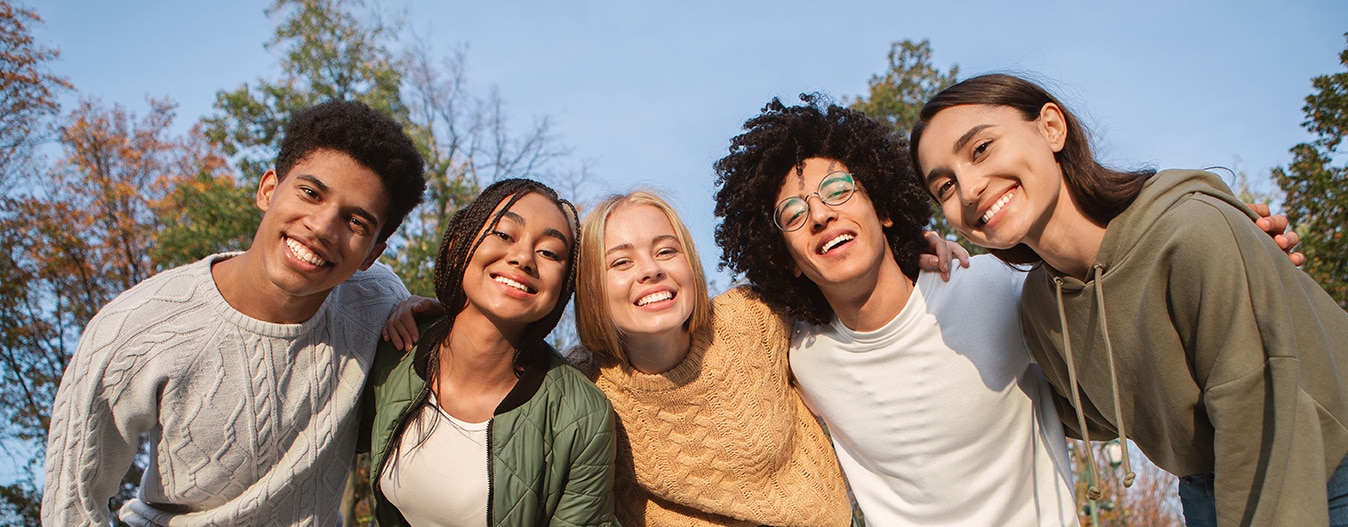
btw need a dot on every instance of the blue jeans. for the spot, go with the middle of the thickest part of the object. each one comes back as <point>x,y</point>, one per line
<point>1200,504</point>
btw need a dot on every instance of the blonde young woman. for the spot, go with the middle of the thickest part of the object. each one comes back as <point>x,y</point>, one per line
<point>710,430</point>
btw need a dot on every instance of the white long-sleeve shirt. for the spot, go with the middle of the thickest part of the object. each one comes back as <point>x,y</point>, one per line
<point>940,418</point>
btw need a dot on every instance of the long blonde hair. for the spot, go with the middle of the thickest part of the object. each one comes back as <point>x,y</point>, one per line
<point>594,319</point>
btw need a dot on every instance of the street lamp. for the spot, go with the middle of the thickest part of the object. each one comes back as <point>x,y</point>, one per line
<point>1113,451</point>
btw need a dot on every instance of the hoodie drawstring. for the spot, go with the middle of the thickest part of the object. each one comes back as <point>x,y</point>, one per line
<point>1093,491</point>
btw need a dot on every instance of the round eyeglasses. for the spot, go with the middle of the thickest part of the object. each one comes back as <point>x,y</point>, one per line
<point>835,189</point>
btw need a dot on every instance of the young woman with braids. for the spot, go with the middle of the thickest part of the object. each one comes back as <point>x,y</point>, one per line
<point>1219,359</point>
<point>483,423</point>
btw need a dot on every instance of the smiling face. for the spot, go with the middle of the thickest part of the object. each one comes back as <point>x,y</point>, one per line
<point>837,243</point>
<point>648,278</point>
<point>994,173</point>
<point>515,276</point>
<point>319,225</point>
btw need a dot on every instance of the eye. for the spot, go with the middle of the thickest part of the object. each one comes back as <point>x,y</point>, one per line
<point>358,225</point>
<point>944,188</point>
<point>502,235</point>
<point>309,193</point>
<point>981,148</point>
<point>666,253</point>
<point>620,264</point>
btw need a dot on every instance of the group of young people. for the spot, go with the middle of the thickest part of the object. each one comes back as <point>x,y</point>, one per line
<point>256,374</point>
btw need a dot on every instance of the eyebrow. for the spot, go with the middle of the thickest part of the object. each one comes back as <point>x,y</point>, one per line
<point>628,246</point>
<point>939,172</point>
<point>323,188</point>
<point>546,232</point>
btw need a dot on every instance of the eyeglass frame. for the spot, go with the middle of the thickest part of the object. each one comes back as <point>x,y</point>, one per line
<point>776,211</point>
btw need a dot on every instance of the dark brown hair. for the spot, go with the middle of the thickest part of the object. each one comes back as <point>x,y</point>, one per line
<point>1102,193</point>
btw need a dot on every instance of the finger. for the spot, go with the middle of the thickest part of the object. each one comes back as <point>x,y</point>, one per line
<point>1298,259</point>
<point>1259,208</point>
<point>960,252</point>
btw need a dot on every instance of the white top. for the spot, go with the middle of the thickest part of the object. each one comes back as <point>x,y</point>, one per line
<point>439,477</point>
<point>249,422</point>
<point>940,417</point>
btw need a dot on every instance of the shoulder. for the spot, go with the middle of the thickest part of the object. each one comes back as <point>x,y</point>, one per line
<point>565,381</point>
<point>376,288</point>
<point>987,278</point>
<point>741,305</point>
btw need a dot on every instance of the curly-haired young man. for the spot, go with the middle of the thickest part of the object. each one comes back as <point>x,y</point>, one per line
<point>245,369</point>
<point>937,414</point>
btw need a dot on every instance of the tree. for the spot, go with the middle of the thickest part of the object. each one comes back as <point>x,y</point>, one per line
<point>77,238</point>
<point>897,95</point>
<point>1317,191</point>
<point>1151,500</point>
<point>467,142</point>
<point>28,94</point>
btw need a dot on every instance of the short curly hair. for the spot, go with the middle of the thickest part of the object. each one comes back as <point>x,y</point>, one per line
<point>373,139</point>
<point>778,141</point>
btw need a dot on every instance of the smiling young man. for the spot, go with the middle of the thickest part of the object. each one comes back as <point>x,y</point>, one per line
<point>244,369</point>
<point>937,414</point>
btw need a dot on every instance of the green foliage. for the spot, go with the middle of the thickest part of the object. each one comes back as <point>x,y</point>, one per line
<point>329,51</point>
<point>896,98</point>
<point>1317,190</point>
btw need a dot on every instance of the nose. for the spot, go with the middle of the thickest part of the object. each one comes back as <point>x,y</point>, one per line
<point>820,214</point>
<point>650,270</point>
<point>522,256</point>
<point>969,186</point>
<point>325,224</point>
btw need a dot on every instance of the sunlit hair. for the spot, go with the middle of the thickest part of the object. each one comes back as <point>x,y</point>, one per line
<point>1101,192</point>
<point>594,318</point>
<point>776,143</point>
<point>463,234</point>
<point>373,139</point>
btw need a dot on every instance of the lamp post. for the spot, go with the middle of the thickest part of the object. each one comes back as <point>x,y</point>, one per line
<point>1113,451</point>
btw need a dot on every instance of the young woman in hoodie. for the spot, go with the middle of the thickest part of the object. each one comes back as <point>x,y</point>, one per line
<point>1158,311</point>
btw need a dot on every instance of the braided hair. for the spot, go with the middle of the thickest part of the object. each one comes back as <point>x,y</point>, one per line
<point>475,220</point>
<point>778,141</point>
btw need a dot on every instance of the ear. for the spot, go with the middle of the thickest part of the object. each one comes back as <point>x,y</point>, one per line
<point>375,252</point>
<point>886,223</point>
<point>1053,124</point>
<point>266,188</point>
<point>795,271</point>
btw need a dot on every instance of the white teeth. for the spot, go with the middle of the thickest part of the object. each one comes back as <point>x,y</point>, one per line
<point>512,283</point>
<point>835,242</point>
<point>992,211</point>
<point>655,297</point>
<point>304,254</point>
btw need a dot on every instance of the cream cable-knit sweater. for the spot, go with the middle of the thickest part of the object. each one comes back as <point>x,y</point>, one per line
<point>723,438</point>
<point>249,422</point>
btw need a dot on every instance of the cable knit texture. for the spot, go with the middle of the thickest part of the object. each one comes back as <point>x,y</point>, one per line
<point>249,422</point>
<point>723,438</point>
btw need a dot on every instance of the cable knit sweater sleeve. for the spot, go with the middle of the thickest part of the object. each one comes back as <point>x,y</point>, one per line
<point>723,438</point>
<point>107,399</point>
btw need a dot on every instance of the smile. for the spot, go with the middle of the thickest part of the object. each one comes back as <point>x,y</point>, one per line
<point>996,207</point>
<point>655,297</point>
<point>303,253</point>
<point>514,284</point>
<point>836,241</point>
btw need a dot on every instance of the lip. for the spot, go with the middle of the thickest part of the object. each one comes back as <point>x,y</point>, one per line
<point>304,261</point>
<point>1003,198</point>
<point>510,289</point>
<point>828,237</point>
<point>658,304</point>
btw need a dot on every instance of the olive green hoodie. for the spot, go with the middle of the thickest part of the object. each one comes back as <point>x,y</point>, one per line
<point>1225,357</point>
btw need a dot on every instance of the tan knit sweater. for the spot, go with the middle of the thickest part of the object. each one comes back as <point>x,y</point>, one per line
<point>723,438</point>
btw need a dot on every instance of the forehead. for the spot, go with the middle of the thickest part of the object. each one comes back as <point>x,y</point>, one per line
<point>806,178</point>
<point>632,222</point>
<point>341,175</point>
<point>536,211</point>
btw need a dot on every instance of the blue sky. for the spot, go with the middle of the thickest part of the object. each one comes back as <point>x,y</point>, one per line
<point>649,93</point>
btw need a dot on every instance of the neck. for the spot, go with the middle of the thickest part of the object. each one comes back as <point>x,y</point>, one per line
<point>869,303</point>
<point>652,354</point>
<point>1068,241</point>
<point>477,353</point>
<point>239,280</point>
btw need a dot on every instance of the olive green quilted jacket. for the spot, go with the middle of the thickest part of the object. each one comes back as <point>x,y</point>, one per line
<point>552,443</point>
